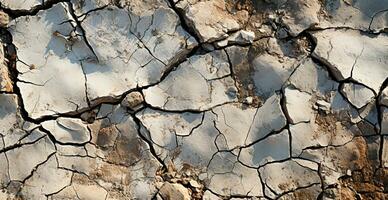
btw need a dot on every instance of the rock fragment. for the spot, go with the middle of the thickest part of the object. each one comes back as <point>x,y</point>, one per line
<point>209,19</point>
<point>357,94</point>
<point>133,100</point>
<point>4,19</point>
<point>88,117</point>
<point>66,130</point>
<point>174,191</point>
<point>241,37</point>
<point>323,106</point>
<point>299,107</point>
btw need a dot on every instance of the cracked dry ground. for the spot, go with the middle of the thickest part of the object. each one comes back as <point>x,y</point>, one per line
<point>193,99</point>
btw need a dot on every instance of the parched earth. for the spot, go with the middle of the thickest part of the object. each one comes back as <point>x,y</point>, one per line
<point>193,99</point>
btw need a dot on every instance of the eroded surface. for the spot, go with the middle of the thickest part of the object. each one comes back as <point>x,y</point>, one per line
<point>193,99</point>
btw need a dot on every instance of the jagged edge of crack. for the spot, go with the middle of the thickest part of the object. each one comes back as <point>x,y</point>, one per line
<point>183,21</point>
<point>139,125</point>
<point>83,32</point>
